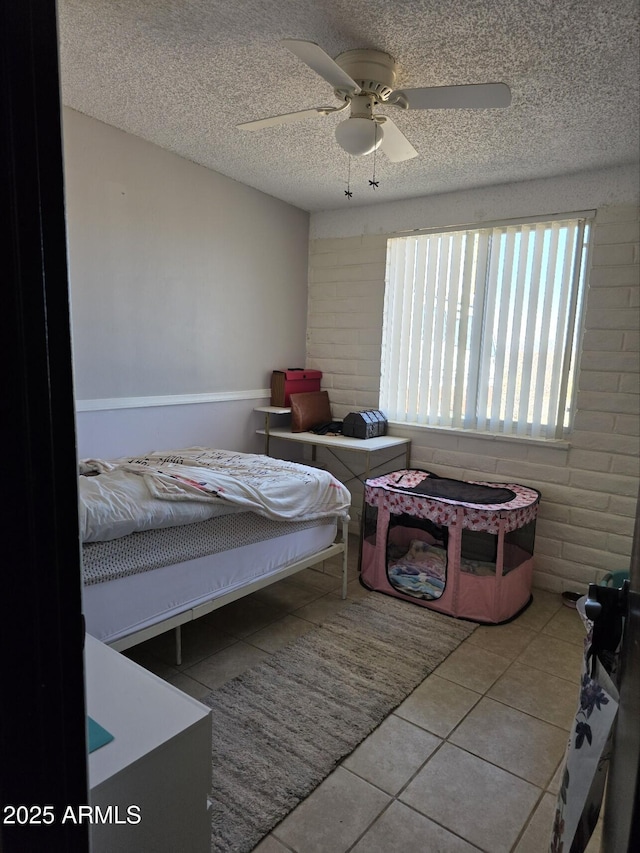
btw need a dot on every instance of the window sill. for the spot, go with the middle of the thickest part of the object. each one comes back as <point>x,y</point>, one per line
<point>550,443</point>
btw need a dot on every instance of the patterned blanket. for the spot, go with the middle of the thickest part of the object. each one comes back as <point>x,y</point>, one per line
<point>171,482</point>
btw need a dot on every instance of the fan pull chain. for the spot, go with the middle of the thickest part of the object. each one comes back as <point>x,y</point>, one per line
<point>348,192</point>
<point>373,183</point>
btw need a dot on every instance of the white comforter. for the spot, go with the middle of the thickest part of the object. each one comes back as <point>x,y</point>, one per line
<point>165,489</point>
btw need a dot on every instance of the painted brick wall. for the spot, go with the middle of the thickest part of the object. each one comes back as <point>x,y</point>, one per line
<point>589,485</point>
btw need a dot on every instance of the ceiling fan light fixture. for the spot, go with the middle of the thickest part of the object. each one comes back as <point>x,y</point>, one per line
<point>359,136</point>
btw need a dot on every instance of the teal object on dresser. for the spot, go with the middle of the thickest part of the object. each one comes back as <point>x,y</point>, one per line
<point>97,736</point>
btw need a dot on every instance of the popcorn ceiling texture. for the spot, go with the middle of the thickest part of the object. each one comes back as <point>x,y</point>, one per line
<point>182,74</point>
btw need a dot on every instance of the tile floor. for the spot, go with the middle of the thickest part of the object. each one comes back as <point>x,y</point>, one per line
<point>469,761</point>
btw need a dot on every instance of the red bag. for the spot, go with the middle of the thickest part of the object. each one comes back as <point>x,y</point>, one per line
<point>294,381</point>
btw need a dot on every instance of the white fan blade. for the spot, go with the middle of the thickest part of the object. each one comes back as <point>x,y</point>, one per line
<point>479,96</point>
<point>286,118</point>
<point>395,144</point>
<point>315,57</point>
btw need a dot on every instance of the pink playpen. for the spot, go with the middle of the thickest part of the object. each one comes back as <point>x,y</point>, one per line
<point>462,548</point>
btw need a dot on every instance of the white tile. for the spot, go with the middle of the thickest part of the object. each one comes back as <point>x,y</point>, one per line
<point>280,633</point>
<point>544,605</point>
<point>554,785</point>
<point>244,616</point>
<point>537,835</point>
<point>334,816</point>
<point>321,609</point>
<point>199,640</point>
<point>473,667</point>
<point>271,845</point>
<point>557,657</point>
<point>438,705</point>
<point>390,756</point>
<point>474,799</point>
<point>566,625</point>
<point>227,664</point>
<point>552,699</point>
<point>287,595</point>
<point>315,578</point>
<point>144,657</point>
<point>402,830</point>
<point>515,741</point>
<point>505,640</point>
<point>190,686</point>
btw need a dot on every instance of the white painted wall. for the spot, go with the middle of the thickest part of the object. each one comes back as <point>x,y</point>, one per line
<point>589,486</point>
<point>133,430</point>
<point>182,282</point>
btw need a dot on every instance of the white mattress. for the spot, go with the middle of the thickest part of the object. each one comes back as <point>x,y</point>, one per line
<point>151,549</point>
<point>120,607</point>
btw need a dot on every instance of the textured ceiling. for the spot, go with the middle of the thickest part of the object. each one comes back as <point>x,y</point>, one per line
<point>183,73</point>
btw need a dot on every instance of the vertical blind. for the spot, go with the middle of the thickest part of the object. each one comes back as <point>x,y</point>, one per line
<point>481,326</point>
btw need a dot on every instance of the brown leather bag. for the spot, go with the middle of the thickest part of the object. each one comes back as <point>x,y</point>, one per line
<point>309,410</point>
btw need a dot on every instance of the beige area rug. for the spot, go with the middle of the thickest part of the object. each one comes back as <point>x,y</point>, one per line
<point>281,728</point>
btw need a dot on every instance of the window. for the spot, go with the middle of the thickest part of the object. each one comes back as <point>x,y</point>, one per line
<point>481,327</point>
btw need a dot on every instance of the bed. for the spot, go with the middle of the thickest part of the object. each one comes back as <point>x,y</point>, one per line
<point>172,535</point>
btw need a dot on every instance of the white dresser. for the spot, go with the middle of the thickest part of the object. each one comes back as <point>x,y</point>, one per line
<point>158,762</point>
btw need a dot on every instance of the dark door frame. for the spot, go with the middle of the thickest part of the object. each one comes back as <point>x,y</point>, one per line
<point>43,759</point>
<point>621,830</point>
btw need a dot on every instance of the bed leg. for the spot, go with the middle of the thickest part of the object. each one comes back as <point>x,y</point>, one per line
<point>345,554</point>
<point>178,636</point>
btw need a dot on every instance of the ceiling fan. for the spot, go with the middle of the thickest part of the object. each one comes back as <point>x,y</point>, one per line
<point>363,79</point>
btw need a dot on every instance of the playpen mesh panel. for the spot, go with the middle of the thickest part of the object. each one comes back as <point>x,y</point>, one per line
<point>416,556</point>
<point>478,552</point>
<point>518,546</point>
<point>369,522</point>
